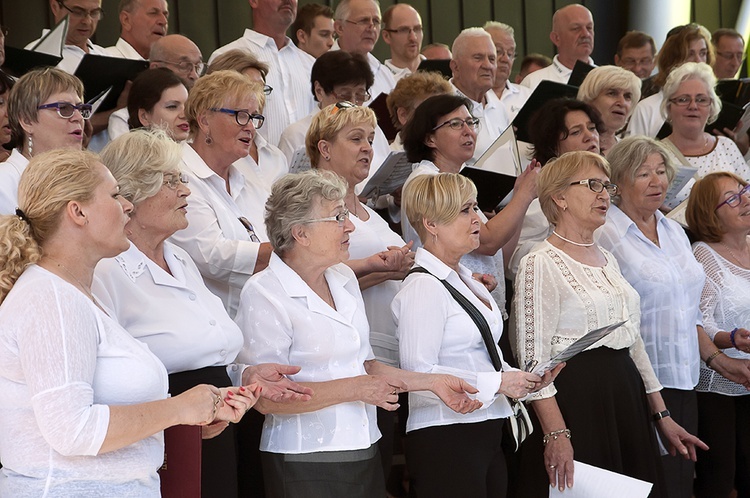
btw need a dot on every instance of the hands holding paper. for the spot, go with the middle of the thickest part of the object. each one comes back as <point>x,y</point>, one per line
<point>518,384</point>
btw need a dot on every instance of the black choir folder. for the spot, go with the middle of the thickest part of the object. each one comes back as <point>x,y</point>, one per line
<point>580,71</point>
<point>19,61</point>
<point>546,90</point>
<point>442,66</point>
<point>492,187</point>
<point>99,72</point>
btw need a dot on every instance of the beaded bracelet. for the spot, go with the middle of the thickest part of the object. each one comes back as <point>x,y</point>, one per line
<point>731,337</point>
<point>712,356</point>
<point>554,435</point>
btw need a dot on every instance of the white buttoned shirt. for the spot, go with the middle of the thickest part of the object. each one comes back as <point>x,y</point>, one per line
<point>10,174</point>
<point>184,324</point>
<point>285,321</point>
<point>288,74</point>
<point>513,98</point>
<point>436,335</point>
<point>123,50</point>
<point>670,281</point>
<point>647,118</point>
<point>215,238</point>
<point>72,54</point>
<point>260,176</point>
<point>554,72</point>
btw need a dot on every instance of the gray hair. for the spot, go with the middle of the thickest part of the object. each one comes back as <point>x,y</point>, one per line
<point>343,9</point>
<point>691,71</point>
<point>292,201</point>
<point>604,77</point>
<point>630,153</point>
<point>499,26</point>
<point>138,161</point>
<point>459,42</point>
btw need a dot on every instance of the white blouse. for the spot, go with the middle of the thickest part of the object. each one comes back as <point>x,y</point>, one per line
<point>260,176</point>
<point>558,300</point>
<point>669,281</point>
<point>10,175</point>
<point>215,238</point>
<point>62,363</point>
<point>284,321</point>
<point>725,303</point>
<point>183,323</point>
<point>368,238</point>
<point>436,335</point>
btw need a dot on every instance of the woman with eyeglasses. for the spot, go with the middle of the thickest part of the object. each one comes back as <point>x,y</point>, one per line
<point>157,101</point>
<point>45,112</point>
<point>602,407</point>
<point>155,291</point>
<point>306,308</point>
<point>83,403</point>
<point>690,102</point>
<point>337,76</point>
<point>225,236</point>
<point>655,257</point>
<point>441,137</point>
<point>717,215</point>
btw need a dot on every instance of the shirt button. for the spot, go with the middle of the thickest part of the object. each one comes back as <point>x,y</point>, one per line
<point>192,297</point>
<point>223,352</point>
<point>212,322</point>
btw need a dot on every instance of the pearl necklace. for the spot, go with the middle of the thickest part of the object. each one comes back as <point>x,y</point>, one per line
<point>579,244</point>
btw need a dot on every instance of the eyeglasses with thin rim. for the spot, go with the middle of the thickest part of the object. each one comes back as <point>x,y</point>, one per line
<point>458,123</point>
<point>357,98</point>
<point>406,30</point>
<point>685,100</point>
<point>366,22</point>
<point>738,56</point>
<point>186,66</point>
<point>79,13</point>
<point>501,52</point>
<point>249,227</point>
<point>267,89</point>
<point>243,117</point>
<point>735,199</point>
<point>598,186</point>
<point>339,218</point>
<point>66,110</point>
<point>173,180</point>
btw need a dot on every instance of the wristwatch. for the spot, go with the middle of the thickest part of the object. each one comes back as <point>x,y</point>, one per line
<point>661,415</point>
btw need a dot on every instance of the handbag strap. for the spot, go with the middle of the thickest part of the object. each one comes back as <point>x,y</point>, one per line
<point>474,314</point>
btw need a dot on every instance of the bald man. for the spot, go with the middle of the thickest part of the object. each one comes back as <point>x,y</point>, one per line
<point>402,32</point>
<point>573,35</point>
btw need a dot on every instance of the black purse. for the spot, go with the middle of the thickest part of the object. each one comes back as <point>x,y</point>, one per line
<point>519,422</point>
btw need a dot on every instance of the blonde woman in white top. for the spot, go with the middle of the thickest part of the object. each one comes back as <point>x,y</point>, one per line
<point>717,215</point>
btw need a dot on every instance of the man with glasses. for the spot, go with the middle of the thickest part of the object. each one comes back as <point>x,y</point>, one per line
<point>636,52</point>
<point>142,23</point>
<point>288,66</point>
<point>84,16</point>
<point>512,97</point>
<point>402,31</point>
<point>730,52</point>
<point>357,24</point>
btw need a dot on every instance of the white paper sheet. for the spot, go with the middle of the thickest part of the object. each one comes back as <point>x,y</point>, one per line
<point>593,482</point>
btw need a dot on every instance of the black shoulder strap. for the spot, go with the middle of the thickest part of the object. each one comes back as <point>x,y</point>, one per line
<point>474,314</point>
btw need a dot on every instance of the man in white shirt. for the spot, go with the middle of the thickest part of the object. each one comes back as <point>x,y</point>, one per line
<point>289,67</point>
<point>402,31</point>
<point>474,65</point>
<point>573,35</point>
<point>142,23</point>
<point>312,30</point>
<point>512,96</point>
<point>357,24</point>
<point>84,16</point>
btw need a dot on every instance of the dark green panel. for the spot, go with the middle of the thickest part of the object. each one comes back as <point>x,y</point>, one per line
<point>108,29</point>
<point>198,21</point>
<point>476,12</point>
<point>25,24</point>
<point>381,50</point>
<point>233,16</point>
<point>445,16</point>
<point>422,7</point>
<point>729,11</point>
<point>511,13</point>
<point>538,24</point>
<point>707,14</point>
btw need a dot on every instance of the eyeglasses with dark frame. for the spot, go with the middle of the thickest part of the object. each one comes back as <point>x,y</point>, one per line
<point>339,218</point>
<point>79,13</point>
<point>66,110</point>
<point>406,30</point>
<point>243,117</point>
<point>187,66</point>
<point>738,56</point>
<point>173,180</point>
<point>458,123</point>
<point>357,98</point>
<point>598,186</point>
<point>735,199</point>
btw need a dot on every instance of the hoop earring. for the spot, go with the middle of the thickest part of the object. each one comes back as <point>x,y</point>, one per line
<point>209,140</point>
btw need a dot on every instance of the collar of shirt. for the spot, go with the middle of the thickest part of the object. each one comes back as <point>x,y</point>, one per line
<point>134,263</point>
<point>432,264</point>
<point>562,70</point>
<point>623,222</point>
<point>127,50</point>
<point>261,39</point>
<point>199,168</point>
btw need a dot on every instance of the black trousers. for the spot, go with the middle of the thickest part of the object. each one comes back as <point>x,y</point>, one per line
<point>678,471</point>
<point>458,460</point>
<point>219,458</point>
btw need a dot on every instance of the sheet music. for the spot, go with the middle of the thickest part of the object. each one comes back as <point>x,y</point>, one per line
<point>502,156</point>
<point>53,42</point>
<point>595,482</point>
<point>682,179</point>
<point>391,175</point>
<point>300,161</point>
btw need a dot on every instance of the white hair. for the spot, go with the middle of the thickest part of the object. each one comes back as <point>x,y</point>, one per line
<point>465,35</point>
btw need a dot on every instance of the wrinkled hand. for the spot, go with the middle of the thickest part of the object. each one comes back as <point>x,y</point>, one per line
<point>518,384</point>
<point>679,439</point>
<point>742,340</point>
<point>380,390</point>
<point>276,386</point>
<point>453,392</point>
<point>558,462</point>
<point>213,429</point>
<point>525,185</point>
<point>733,369</point>
<point>407,259</point>
<point>489,281</point>
<point>550,376</point>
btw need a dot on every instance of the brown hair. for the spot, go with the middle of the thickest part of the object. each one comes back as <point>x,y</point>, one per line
<point>701,208</point>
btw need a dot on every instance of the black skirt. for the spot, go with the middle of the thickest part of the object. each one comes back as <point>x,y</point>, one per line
<point>603,401</point>
<point>219,457</point>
